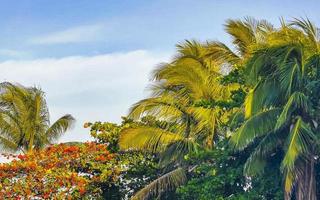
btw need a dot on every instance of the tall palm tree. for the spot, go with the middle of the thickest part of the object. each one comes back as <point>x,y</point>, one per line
<point>24,119</point>
<point>282,108</point>
<point>192,77</point>
<point>178,86</point>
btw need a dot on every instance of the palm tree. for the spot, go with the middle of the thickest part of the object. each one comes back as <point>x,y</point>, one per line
<point>179,85</point>
<point>24,119</point>
<point>180,88</point>
<point>282,108</point>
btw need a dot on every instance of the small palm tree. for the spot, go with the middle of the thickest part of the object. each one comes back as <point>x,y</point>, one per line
<point>24,119</point>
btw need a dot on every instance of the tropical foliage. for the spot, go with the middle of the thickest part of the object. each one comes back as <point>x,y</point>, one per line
<point>221,122</point>
<point>281,108</point>
<point>219,175</point>
<point>278,67</point>
<point>24,119</point>
<point>137,168</point>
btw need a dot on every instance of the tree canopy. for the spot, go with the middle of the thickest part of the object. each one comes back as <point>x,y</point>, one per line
<point>221,122</point>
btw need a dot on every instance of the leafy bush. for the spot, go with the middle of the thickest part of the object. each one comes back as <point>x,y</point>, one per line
<point>220,177</point>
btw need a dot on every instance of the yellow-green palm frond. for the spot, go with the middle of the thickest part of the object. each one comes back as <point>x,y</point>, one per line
<point>167,182</point>
<point>59,127</point>
<point>159,89</point>
<point>309,29</point>
<point>10,130</point>
<point>189,76</point>
<point>176,151</point>
<point>207,121</point>
<point>8,145</point>
<point>190,50</point>
<point>164,107</point>
<point>247,33</point>
<point>297,149</point>
<point>288,34</point>
<point>290,176</point>
<point>242,34</point>
<point>147,138</point>
<point>298,143</point>
<point>221,53</point>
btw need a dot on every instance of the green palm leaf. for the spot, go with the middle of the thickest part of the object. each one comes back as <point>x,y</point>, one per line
<point>167,182</point>
<point>257,160</point>
<point>297,101</point>
<point>59,127</point>
<point>298,143</point>
<point>256,126</point>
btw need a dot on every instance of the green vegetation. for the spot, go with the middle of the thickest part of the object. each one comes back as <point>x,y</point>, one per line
<point>221,123</point>
<point>24,119</point>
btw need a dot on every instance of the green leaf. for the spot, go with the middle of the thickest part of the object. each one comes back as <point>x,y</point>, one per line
<point>165,183</point>
<point>298,143</point>
<point>297,101</point>
<point>256,126</point>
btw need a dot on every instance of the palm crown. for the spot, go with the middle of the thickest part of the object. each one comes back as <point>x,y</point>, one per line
<point>24,119</point>
<point>280,109</point>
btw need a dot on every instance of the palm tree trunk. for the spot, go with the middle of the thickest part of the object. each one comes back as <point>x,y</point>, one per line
<point>188,127</point>
<point>306,184</point>
<point>30,145</point>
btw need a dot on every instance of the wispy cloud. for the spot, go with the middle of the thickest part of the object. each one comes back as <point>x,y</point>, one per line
<point>13,53</point>
<point>79,34</point>
<point>91,88</point>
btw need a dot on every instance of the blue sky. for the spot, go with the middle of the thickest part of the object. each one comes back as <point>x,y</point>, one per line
<point>93,58</point>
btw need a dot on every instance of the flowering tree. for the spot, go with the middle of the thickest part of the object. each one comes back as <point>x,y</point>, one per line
<point>137,168</point>
<point>65,171</point>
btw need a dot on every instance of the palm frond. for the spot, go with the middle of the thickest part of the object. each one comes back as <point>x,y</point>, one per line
<point>190,49</point>
<point>242,32</point>
<point>175,151</point>
<point>205,117</point>
<point>309,29</point>
<point>221,53</point>
<point>298,143</point>
<point>296,101</point>
<point>59,127</point>
<point>256,163</point>
<point>165,183</point>
<point>289,179</point>
<point>166,107</point>
<point>313,66</point>
<point>256,126</point>
<point>146,138</point>
<point>264,95</point>
<point>8,145</point>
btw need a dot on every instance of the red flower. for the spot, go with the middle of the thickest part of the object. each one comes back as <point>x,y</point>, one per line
<point>82,190</point>
<point>22,157</point>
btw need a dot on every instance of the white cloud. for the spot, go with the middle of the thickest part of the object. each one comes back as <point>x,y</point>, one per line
<point>77,34</point>
<point>92,88</point>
